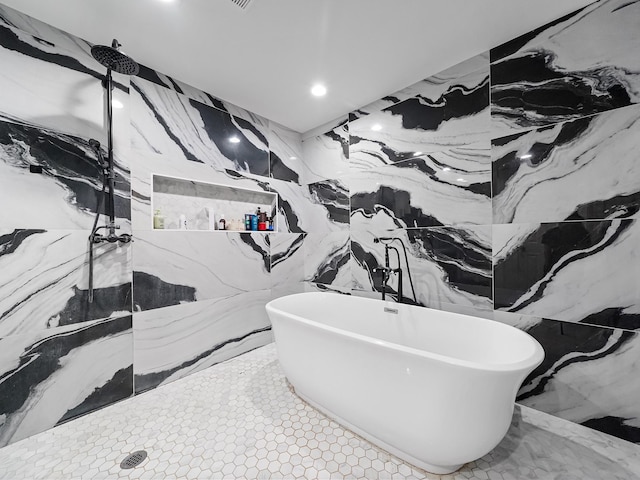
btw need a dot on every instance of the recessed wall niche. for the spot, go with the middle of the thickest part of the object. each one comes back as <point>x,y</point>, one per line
<point>174,198</point>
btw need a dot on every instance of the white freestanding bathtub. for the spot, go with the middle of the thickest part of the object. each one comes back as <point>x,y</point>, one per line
<point>436,389</point>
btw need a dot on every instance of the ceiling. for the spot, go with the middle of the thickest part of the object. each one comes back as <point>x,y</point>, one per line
<point>267,57</point>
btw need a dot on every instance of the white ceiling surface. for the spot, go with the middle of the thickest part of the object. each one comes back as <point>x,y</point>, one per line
<point>266,58</point>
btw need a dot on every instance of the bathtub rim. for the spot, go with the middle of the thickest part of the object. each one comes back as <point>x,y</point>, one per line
<point>529,362</point>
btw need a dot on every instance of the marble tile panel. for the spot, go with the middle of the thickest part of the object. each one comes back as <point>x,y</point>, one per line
<point>447,265</point>
<point>326,259</point>
<point>171,268</point>
<point>285,154</point>
<point>587,376</point>
<point>583,272</point>
<point>51,86</point>
<point>67,192</point>
<point>540,175</point>
<point>172,124</point>
<point>327,156</point>
<point>45,277</point>
<point>176,341</point>
<point>314,208</point>
<point>578,65</point>
<point>443,188</point>
<point>43,33</point>
<point>465,74</point>
<point>287,258</point>
<point>48,377</point>
<point>446,120</point>
<point>144,165</point>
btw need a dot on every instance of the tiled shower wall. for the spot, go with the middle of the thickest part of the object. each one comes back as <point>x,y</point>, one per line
<point>171,302</point>
<point>514,180</point>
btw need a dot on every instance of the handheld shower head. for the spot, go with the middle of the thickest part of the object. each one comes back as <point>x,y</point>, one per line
<point>112,58</point>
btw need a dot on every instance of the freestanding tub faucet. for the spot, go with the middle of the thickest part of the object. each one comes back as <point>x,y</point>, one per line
<point>387,270</point>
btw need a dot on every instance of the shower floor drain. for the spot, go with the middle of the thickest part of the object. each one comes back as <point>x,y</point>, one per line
<point>134,459</point>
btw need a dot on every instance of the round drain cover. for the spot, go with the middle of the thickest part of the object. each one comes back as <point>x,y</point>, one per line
<point>134,459</point>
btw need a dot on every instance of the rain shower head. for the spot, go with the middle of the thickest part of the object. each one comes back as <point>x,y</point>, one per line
<point>112,58</point>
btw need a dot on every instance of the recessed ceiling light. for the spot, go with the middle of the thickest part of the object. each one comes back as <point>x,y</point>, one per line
<point>446,169</point>
<point>461,180</point>
<point>234,140</point>
<point>318,90</point>
<point>524,157</point>
<point>376,128</point>
<point>417,153</point>
<point>117,104</point>
<point>293,158</point>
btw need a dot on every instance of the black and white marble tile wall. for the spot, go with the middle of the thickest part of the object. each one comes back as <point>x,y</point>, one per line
<point>58,89</point>
<point>465,74</point>
<point>50,376</point>
<point>285,154</point>
<point>318,207</point>
<point>45,280</point>
<point>572,271</point>
<point>326,258</point>
<point>179,340</point>
<point>443,188</point>
<point>581,64</point>
<point>43,33</point>
<point>287,259</point>
<point>442,115</point>
<point>589,374</point>
<point>174,125</point>
<point>66,194</point>
<point>326,156</point>
<point>175,267</point>
<point>540,174</point>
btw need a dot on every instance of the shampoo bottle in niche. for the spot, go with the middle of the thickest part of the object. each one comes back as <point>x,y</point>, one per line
<point>158,220</point>
<point>212,219</point>
<point>222,224</point>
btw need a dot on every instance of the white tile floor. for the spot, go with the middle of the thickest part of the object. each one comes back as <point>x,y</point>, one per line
<point>240,419</point>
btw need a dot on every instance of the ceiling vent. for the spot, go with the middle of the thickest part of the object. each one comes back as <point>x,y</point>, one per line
<point>243,4</point>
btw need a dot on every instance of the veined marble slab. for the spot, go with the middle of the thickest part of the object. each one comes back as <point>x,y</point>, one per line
<point>581,64</point>
<point>573,271</point>
<point>174,125</point>
<point>319,207</point>
<point>287,258</point>
<point>182,266</point>
<point>67,192</point>
<point>465,73</point>
<point>45,278</point>
<point>327,258</point>
<point>326,156</point>
<point>43,33</point>
<point>542,174</point>
<point>48,377</point>
<point>443,188</point>
<point>55,88</point>
<point>588,374</point>
<point>450,115</point>
<point>285,154</point>
<point>173,342</point>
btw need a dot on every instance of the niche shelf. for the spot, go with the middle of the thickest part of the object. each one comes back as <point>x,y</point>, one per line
<point>175,196</point>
